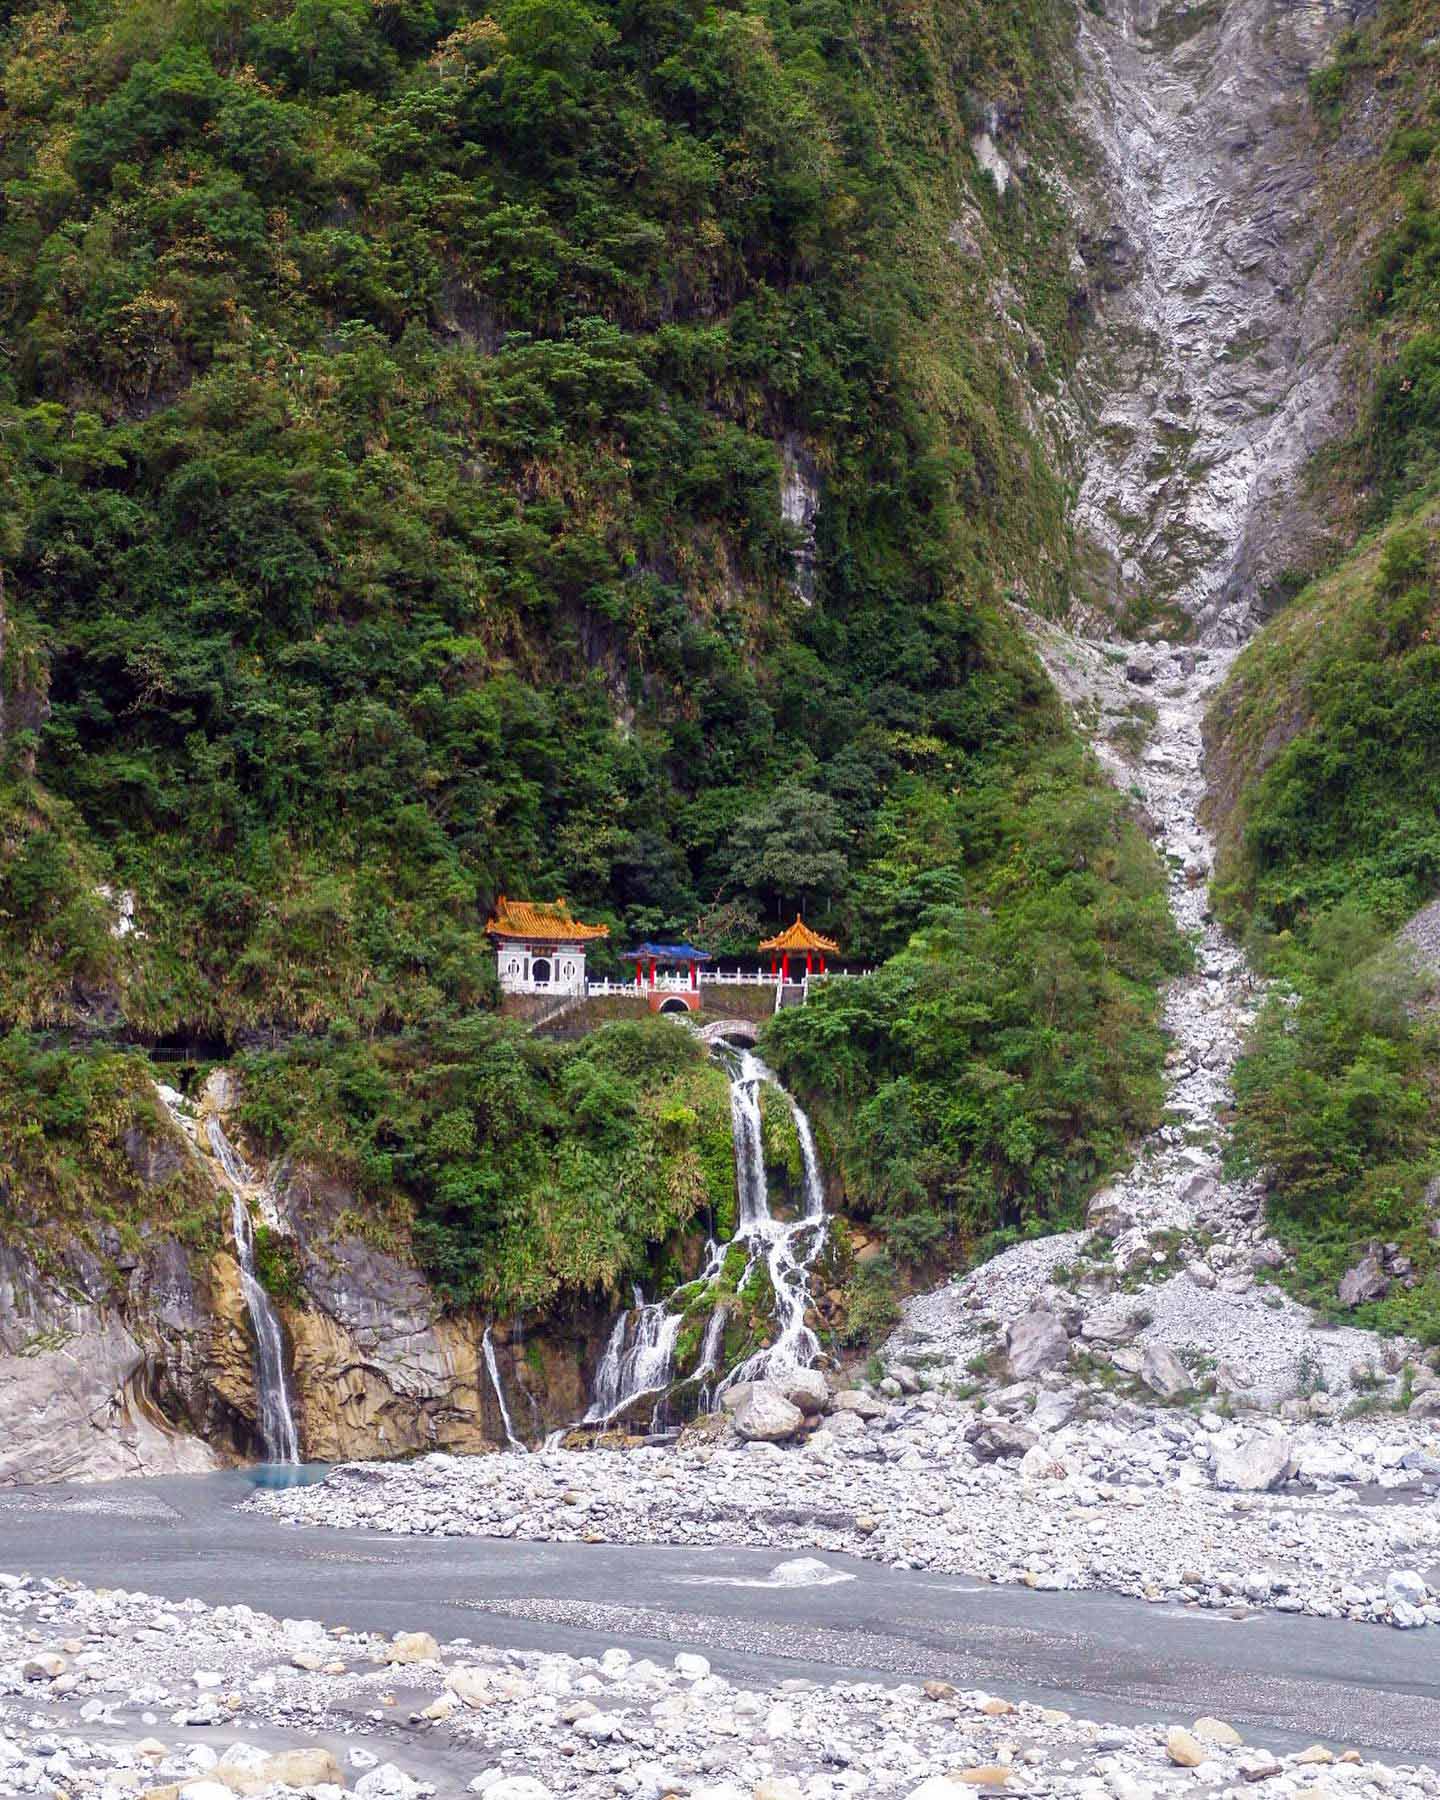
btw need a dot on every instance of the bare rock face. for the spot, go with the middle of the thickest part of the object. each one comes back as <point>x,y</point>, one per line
<point>80,1393</point>
<point>377,1369</point>
<point>1213,367</point>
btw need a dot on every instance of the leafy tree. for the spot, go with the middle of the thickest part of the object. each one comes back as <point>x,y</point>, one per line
<point>792,850</point>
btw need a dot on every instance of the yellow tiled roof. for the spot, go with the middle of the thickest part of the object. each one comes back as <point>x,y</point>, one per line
<point>799,936</point>
<point>539,919</point>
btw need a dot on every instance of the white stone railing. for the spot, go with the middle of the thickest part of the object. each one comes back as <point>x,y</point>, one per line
<point>664,984</point>
<point>680,984</point>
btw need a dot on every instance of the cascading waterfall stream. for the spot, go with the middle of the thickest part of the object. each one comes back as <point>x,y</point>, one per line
<point>788,1250</point>
<point>639,1357</point>
<point>272,1391</point>
<point>272,1384</point>
<point>488,1349</point>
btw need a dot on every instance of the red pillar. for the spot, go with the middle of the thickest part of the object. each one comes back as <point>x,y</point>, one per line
<point>822,962</point>
<point>652,973</point>
<point>785,966</point>
<point>808,969</point>
<point>693,982</point>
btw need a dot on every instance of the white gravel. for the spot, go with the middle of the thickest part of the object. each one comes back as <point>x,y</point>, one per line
<point>105,1696</point>
<point>1127,1500</point>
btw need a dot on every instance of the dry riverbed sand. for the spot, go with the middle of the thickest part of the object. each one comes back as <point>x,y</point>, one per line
<point>109,1695</point>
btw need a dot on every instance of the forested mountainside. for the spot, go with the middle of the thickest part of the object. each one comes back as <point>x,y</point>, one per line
<point>624,452</point>
<point>552,448</point>
<point>1325,744</point>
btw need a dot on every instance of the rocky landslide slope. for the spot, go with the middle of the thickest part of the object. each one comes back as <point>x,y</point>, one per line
<point>1213,367</point>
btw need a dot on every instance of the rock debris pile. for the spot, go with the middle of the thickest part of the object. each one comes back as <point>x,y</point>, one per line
<point>1170,1285</point>
<point>1163,1504</point>
<point>113,1695</point>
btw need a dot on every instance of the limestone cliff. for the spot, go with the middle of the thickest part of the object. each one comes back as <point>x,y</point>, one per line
<point>1224,272</point>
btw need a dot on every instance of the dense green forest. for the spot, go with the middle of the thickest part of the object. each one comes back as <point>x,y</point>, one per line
<point>397,410</point>
<point>1333,715</point>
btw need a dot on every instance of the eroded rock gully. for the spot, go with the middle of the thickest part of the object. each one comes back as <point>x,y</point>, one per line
<point>1220,288</point>
<point>1211,375</point>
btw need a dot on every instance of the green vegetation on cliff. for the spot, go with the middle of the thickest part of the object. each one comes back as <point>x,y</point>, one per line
<point>1338,1099</point>
<point>518,1168</point>
<point>395,443</point>
<point>1327,737</point>
<point>993,1071</point>
<point>405,404</point>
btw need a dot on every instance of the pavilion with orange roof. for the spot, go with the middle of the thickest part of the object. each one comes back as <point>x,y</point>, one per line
<point>794,940</point>
<point>540,947</point>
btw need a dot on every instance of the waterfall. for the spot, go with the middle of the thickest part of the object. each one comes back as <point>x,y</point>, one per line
<point>272,1387</point>
<point>638,1359</point>
<point>788,1251</point>
<point>713,1339</point>
<point>272,1383</point>
<point>639,1355</point>
<point>753,1206</point>
<point>490,1363</point>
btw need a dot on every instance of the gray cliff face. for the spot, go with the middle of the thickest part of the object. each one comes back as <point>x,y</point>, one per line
<point>95,1384</point>
<point>1212,371</point>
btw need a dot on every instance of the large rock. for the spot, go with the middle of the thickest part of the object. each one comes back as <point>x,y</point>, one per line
<point>412,1647</point>
<point>1182,1748</point>
<point>1366,1281</point>
<point>1109,1213</point>
<point>471,1685</point>
<point>1000,1441</point>
<point>767,1417</point>
<point>857,1401</point>
<point>1035,1341</point>
<point>1407,1586</point>
<point>1163,1372</point>
<point>807,1389</point>
<point>1040,1463</point>
<point>1255,1464</point>
<point>1215,1731</point>
<point>303,1768</point>
<point>1108,1332</point>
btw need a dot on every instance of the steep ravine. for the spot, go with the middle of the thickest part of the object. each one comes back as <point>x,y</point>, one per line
<point>1212,374</point>
<point>1213,370</point>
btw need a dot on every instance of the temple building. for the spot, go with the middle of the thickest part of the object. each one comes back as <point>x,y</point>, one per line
<point>540,947</point>
<point>678,989</point>
<point>799,940</point>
